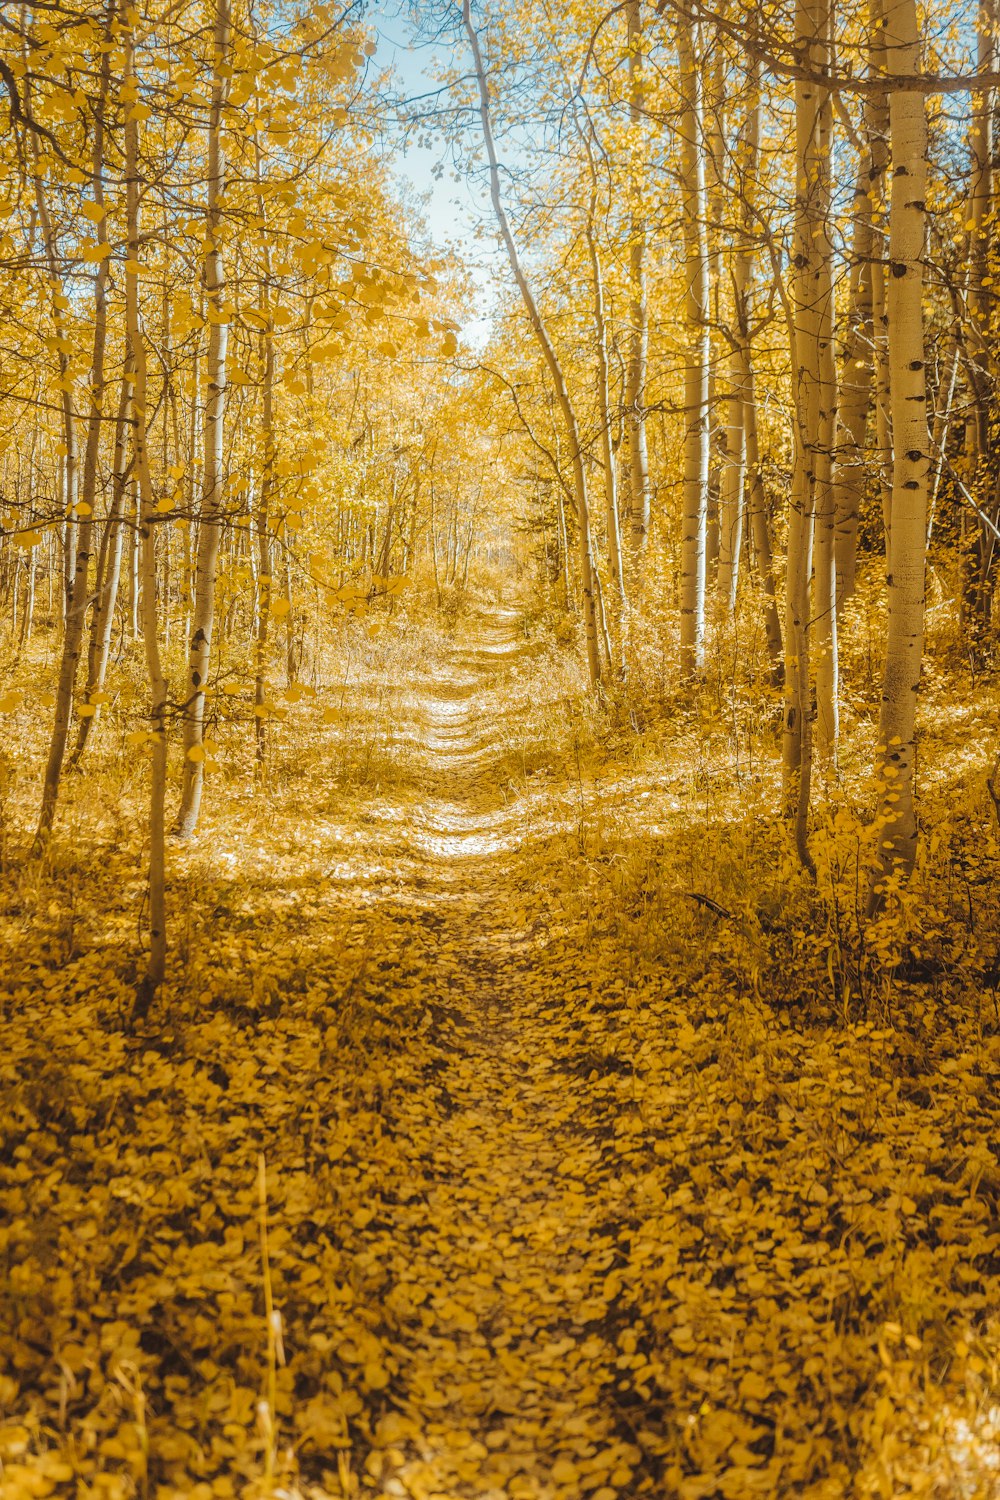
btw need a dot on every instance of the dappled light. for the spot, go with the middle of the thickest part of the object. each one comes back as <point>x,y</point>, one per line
<point>499,750</point>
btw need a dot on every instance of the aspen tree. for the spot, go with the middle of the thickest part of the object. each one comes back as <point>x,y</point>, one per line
<point>109,566</point>
<point>760,531</point>
<point>979,561</point>
<point>857,363</point>
<point>552,362</point>
<point>731,500</point>
<point>80,516</point>
<point>714,125</point>
<point>877,123</point>
<point>807,328</point>
<point>823,412</point>
<point>262,519</point>
<point>210,524</point>
<point>896,824</point>
<point>155,970</point>
<point>604,399</point>
<point>743,474</point>
<point>70,439</point>
<point>694,519</point>
<point>635,376</point>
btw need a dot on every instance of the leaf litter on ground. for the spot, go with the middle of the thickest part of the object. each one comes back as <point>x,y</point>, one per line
<point>561,1200</point>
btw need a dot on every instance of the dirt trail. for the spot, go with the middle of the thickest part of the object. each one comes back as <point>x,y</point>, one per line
<point>506,1260</point>
<point>559,1207</point>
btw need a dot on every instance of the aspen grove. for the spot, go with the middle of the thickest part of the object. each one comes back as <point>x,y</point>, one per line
<point>499,749</point>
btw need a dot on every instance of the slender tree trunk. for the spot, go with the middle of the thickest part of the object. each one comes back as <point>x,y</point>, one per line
<point>71,457</point>
<point>731,504</point>
<point>877,118</point>
<point>210,529</point>
<point>760,532</point>
<point>150,626</point>
<point>896,824</point>
<point>102,624</point>
<point>855,392</point>
<point>553,364</point>
<point>807,375</point>
<point>635,379</point>
<point>604,408</point>
<point>262,519</point>
<point>83,518</point>
<point>823,420</point>
<point>714,125</point>
<point>134,581</point>
<point>979,301</point>
<point>698,355</point>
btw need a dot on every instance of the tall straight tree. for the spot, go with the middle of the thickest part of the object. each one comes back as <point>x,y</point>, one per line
<point>694,517</point>
<point>80,518</point>
<point>809,326</point>
<point>823,406</point>
<point>857,360</point>
<point>137,362</point>
<point>210,529</point>
<point>896,822</point>
<point>981,548</point>
<point>638,348</point>
<point>733,484</point>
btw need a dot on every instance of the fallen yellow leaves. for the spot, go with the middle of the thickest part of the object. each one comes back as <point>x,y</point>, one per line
<point>545,1219</point>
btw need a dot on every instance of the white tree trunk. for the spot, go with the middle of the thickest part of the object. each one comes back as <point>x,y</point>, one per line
<point>896,825</point>
<point>635,376</point>
<point>809,323</point>
<point>731,500</point>
<point>150,633</point>
<point>694,520</point>
<point>80,517</point>
<point>210,529</point>
<point>823,414</point>
<point>604,408</point>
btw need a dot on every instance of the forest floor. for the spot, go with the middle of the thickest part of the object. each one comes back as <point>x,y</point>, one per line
<point>561,1200</point>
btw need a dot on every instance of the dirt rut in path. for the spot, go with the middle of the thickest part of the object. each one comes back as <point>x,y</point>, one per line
<point>503,1361</point>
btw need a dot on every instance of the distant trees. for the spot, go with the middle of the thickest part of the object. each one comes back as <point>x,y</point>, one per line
<point>740,190</point>
<point>236,399</point>
<point>216,322</point>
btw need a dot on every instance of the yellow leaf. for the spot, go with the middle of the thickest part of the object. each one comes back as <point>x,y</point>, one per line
<point>376,1376</point>
<point>196,753</point>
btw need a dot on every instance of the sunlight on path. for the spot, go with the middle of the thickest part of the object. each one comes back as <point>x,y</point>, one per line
<point>508,1281</point>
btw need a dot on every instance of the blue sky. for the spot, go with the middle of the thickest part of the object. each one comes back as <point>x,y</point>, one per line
<point>452,209</point>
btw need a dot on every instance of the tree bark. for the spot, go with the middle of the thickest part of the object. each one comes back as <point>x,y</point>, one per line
<point>109,572</point>
<point>734,473</point>
<point>696,371</point>
<point>210,529</point>
<point>150,626</point>
<point>81,518</point>
<point>807,328</point>
<point>635,378</point>
<point>895,824</point>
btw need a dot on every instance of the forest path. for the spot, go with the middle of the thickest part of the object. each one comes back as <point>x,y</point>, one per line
<point>560,1206</point>
<point>509,1252</point>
